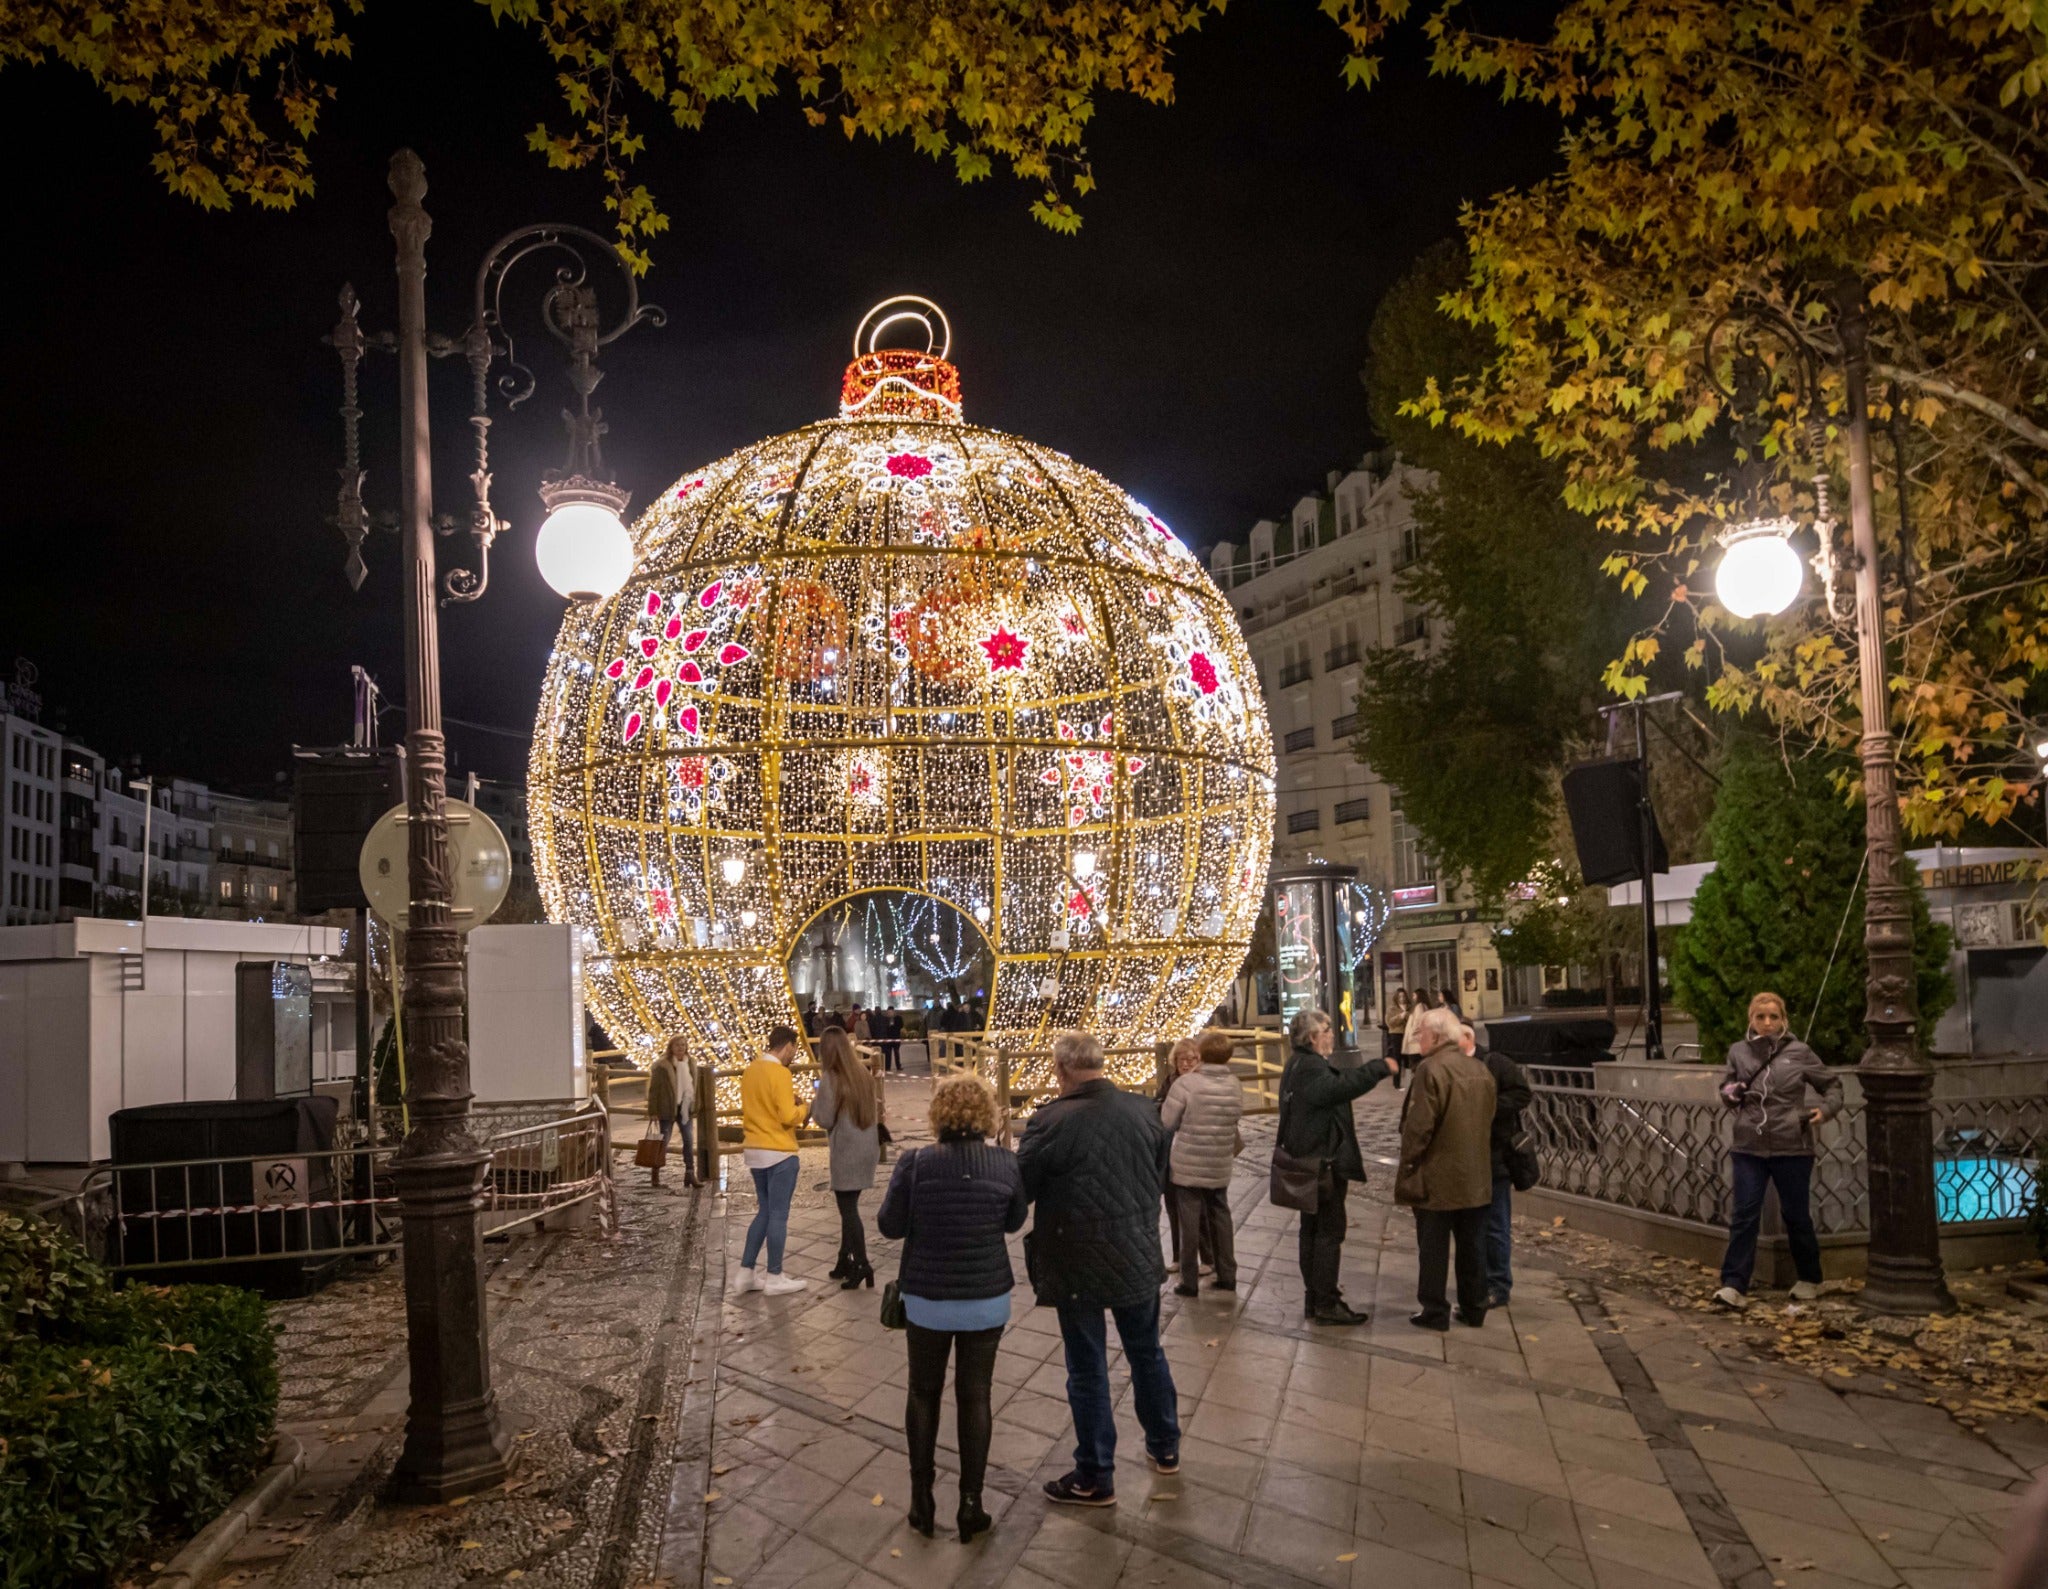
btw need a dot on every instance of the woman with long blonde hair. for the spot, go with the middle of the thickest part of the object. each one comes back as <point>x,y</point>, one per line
<point>671,1093</point>
<point>848,1108</point>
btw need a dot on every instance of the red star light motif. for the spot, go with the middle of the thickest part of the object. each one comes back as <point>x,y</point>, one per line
<point>1004,650</point>
<point>1203,672</point>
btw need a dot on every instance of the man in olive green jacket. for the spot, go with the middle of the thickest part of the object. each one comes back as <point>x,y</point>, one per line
<point>1446,1172</point>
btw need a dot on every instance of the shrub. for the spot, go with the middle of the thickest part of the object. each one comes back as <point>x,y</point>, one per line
<point>123,1413</point>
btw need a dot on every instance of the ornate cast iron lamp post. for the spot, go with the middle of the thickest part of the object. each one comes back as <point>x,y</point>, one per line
<point>453,1443</point>
<point>1905,1272</point>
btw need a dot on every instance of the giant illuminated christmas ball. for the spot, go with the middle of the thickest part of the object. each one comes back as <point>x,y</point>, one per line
<point>895,658</point>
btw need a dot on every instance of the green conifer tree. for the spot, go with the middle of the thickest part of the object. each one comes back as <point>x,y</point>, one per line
<point>1788,850</point>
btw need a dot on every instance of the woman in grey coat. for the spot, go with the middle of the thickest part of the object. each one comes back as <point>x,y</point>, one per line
<point>1202,1112</point>
<point>1765,1084</point>
<point>847,1107</point>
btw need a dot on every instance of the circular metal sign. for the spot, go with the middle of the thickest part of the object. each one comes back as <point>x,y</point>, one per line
<point>479,865</point>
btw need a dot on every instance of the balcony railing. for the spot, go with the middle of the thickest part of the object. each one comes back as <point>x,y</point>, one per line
<point>1354,811</point>
<point>1295,673</point>
<point>1304,821</point>
<point>1341,656</point>
<point>1415,628</point>
<point>1343,728</point>
<point>1300,739</point>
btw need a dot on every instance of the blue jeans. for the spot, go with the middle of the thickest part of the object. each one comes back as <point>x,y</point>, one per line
<point>1500,1238</point>
<point>1792,1174</point>
<point>689,1129</point>
<point>773,1188</point>
<point>1086,1335</point>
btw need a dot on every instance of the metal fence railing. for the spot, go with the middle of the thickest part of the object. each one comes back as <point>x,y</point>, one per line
<point>320,1204</point>
<point>1670,1156</point>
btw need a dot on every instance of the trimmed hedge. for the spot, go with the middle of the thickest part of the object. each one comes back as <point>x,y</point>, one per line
<point>124,1413</point>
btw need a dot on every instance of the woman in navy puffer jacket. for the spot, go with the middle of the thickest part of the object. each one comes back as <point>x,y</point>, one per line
<point>952,1205</point>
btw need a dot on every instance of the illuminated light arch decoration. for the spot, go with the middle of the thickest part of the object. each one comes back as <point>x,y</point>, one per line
<point>892,650</point>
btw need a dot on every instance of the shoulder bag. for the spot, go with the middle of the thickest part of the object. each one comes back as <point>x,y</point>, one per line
<point>893,1315</point>
<point>1295,1183</point>
<point>1524,1168</point>
<point>651,1151</point>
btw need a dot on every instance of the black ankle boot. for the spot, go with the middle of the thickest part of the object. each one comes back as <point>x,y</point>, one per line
<point>859,1272</point>
<point>923,1510</point>
<point>973,1520</point>
<point>839,1268</point>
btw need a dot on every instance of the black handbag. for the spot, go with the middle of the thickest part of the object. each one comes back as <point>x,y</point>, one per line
<point>1296,1183</point>
<point>1524,1168</point>
<point>893,1316</point>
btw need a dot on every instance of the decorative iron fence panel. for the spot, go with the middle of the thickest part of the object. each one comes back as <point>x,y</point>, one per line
<point>1669,1156</point>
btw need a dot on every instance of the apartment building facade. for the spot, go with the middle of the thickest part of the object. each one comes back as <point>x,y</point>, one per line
<point>1316,593</point>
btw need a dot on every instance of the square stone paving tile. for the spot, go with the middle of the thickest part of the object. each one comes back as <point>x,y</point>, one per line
<point>1501,1555</point>
<point>1785,1544</point>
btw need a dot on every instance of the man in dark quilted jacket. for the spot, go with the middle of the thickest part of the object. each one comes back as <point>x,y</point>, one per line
<point>1093,1161</point>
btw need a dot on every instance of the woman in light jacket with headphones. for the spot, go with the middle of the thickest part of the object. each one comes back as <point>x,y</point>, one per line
<point>1765,1083</point>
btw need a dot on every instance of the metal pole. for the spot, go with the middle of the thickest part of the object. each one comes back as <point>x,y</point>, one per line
<point>366,1043</point>
<point>453,1443</point>
<point>1905,1274</point>
<point>1646,847</point>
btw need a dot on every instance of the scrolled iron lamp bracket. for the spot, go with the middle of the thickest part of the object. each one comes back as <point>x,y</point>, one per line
<point>571,315</point>
<point>1753,320</point>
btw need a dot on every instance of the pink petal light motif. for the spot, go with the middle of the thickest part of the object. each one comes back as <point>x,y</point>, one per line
<point>654,604</point>
<point>643,678</point>
<point>690,673</point>
<point>683,492</point>
<point>707,598</point>
<point>695,639</point>
<point>617,669</point>
<point>649,644</point>
<point>634,722</point>
<point>672,628</point>
<point>908,465</point>
<point>728,655</point>
<point>1203,672</point>
<point>687,719</point>
<point>663,691</point>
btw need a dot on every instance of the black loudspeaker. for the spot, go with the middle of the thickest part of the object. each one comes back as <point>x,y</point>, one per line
<point>337,796</point>
<point>1602,798</point>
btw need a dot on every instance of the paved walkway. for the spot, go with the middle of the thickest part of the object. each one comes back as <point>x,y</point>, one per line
<point>1578,1441</point>
<point>1586,1438</point>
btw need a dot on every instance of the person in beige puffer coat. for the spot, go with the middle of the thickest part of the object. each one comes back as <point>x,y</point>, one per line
<point>1202,1111</point>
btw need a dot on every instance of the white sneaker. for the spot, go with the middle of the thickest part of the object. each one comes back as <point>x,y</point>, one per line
<point>1729,1297</point>
<point>744,1280</point>
<point>1805,1291</point>
<point>782,1285</point>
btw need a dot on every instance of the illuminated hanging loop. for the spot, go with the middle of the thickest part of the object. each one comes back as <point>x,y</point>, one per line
<point>938,331</point>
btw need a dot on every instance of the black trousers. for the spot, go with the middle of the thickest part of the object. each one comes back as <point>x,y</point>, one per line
<point>1205,1228</point>
<point>1322,1245</point>
<point>1170,1195</point>
<point>1435,1230</point>
<point>972,1372</point>
<point>853,1235</point>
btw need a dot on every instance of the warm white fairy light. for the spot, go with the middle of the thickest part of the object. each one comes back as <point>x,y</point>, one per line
<point>896,652</point>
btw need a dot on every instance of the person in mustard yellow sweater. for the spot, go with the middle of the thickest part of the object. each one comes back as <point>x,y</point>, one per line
<point>769,1116</point>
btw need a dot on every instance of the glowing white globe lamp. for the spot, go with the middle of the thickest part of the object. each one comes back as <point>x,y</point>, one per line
<point>733,869</point>
<point>1084,864</point>
<point>1760,574</point>
<point>584,550</point>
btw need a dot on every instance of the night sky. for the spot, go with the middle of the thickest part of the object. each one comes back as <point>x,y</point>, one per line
<point>168,408</point>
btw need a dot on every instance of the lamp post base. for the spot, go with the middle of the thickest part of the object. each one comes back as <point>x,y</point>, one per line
<point>454,1445</point>
<point>1905,1275</point>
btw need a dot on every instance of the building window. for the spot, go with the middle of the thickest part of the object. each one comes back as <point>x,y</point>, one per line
<point>1343,647</point>
<point>1414,627</point>
<point>1359,810</point>
<point>1301,739</point>
<point>1296,669</point>
<point>1305,821</point>
<point>227,889</point>
<point>1411,547</point>
<point>1343,728</point>
<point>1413,865</point>
<point>271,889</point>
